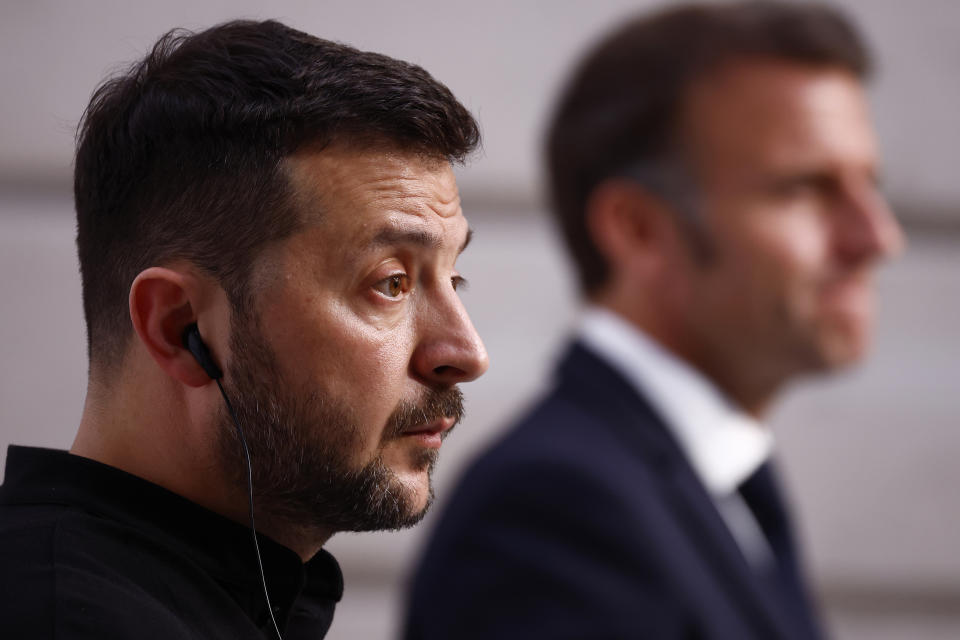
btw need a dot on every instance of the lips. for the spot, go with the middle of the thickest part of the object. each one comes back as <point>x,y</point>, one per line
<point>432,433</point>
<point>437,427</point>
<point>436,412</point>
<point>851,294</point>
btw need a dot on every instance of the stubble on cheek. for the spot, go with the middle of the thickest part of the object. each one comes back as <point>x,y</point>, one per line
<point>322,447</point>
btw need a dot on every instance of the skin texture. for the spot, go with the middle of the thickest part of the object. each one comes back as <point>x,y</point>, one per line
<point>785,164</point>
<point>357,326</point>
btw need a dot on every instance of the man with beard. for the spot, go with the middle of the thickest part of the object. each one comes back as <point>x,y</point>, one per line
<point>267,226</point>
<point>714,172</point>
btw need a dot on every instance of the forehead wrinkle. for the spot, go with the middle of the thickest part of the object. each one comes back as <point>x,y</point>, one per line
<point>396,233</point>
<point>384,180</point>
<point>423,195</point>
<point>446,209</point>
<point>390,236</point>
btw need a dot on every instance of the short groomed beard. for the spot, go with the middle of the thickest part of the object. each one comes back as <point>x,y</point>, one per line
<point>301,444</point>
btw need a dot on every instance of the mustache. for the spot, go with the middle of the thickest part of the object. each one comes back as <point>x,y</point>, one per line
<point>434,405</point>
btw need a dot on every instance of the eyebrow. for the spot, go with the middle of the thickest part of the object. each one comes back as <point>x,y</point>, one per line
<point>392,236</point>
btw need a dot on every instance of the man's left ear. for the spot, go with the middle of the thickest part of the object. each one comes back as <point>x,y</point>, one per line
<point>163,303</point>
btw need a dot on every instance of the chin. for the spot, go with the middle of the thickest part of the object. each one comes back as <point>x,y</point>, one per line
<point>845,329</point>
<point>844,348</point>
<point>405,491</point>
<point>415,509</point>
<point>419,490</point>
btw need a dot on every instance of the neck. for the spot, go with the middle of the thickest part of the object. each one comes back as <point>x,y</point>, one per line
<point>305,541</point>
<point>747,384</point>
<point>144,423</point>
<point>122,426</point>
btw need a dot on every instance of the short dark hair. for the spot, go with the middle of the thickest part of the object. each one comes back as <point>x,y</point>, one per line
<point>181,156</point>
<point>621,107</point>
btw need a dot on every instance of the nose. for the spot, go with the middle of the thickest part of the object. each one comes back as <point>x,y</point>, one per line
<point>868,230</point>
<point>450,350</point>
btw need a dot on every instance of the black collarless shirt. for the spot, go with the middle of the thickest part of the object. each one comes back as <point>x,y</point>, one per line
<point>89,551</point>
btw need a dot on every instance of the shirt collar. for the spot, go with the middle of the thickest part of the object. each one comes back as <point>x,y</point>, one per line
<point>723,444</point>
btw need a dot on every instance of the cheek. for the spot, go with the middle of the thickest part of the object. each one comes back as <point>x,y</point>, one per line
<point>802,243</point>
<point>368,363</point>
<point>781,252</point>
<point>365,360</point>
<point>767,270</point>
<point>326,344</point>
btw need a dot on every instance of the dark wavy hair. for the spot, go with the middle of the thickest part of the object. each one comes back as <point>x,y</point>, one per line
<point>619,110</point>
<point>181,157</point>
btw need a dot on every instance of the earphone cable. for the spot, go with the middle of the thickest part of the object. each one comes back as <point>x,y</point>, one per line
<point>253,524</point>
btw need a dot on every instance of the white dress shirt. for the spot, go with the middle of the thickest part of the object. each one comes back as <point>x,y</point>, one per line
<point>723,444</point>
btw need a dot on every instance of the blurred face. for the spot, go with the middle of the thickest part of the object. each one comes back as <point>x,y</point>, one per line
<point>786,163</point>
<point>346,371</point>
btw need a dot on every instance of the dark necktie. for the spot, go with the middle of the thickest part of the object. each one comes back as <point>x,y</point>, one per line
<point>761,493</point>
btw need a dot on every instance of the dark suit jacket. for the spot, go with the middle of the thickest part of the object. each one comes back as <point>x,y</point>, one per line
<point>586,521</point>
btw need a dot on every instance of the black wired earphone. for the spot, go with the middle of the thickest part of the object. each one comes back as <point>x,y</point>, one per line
<point>195,345</point>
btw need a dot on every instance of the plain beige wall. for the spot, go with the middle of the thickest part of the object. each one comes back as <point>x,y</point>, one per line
<point>503,58</point>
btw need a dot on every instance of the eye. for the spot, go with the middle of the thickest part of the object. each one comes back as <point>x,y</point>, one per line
<point>393,286</point>
<point>459,283</point>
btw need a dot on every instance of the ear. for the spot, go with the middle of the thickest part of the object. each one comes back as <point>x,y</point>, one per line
<point>626,223</point>
<point>162,305</point>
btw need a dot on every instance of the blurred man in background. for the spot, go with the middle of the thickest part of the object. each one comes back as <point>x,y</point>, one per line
<point>277,214</point>
<point>714,172</point>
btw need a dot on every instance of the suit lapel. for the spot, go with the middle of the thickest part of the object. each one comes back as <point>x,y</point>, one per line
<point>595,384</point>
